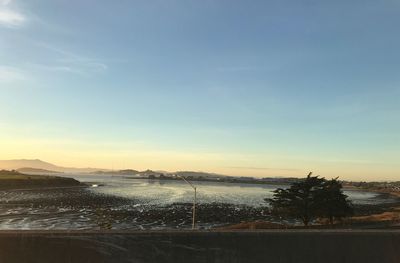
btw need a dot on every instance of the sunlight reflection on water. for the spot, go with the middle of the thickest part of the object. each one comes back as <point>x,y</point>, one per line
<point>146,194</point>
<point>163,192</point>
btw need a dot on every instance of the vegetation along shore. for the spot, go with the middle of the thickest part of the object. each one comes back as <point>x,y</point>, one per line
<point>77,202</point>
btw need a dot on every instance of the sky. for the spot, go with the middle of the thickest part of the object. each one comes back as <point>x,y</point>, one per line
<point>246,88</point>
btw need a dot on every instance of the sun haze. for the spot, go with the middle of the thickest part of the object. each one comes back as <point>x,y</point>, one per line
<point>260,88</point>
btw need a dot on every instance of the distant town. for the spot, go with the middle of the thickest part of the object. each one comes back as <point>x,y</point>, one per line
<point>39,167</point>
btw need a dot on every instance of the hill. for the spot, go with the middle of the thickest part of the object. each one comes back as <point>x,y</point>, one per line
<point>186,174</point>
<point>23,163</point>
<point>199,174</point>
<point>28,170</point>
<point>118,172</point>
<point>17,180</point>
<point>39,164</point>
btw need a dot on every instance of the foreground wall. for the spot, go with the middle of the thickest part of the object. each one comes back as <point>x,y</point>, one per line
<point>266,246</point>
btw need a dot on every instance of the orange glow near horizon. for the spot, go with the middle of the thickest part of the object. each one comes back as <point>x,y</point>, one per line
<point>73,154</point>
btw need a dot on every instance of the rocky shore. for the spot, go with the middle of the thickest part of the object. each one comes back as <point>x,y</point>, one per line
<point>90,210</point>
<point>110,212</point>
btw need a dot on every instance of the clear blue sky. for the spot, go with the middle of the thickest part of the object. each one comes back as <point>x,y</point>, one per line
<point>256,88</point>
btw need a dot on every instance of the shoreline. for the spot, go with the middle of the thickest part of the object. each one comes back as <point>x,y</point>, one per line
<point>374,190</point>
<point>378,216</point>
<point>106,212</point>
<point>100,211</point>
<point>92,210</point>
<point>194,179</point>
<point>13,180</point>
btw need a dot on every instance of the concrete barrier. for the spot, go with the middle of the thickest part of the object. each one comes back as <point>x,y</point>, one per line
<point>294,246</point>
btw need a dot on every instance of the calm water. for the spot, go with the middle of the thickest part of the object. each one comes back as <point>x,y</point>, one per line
<point>146,194</point>
<point>163,192</point>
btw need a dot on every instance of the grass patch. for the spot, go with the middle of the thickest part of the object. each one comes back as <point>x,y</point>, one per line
<point>14,179</point>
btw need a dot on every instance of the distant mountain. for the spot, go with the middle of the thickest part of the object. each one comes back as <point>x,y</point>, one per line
<point>118,172</point>
<point>149,172</point>
<point>22,163</point>
<point>39,164</point>
<point>128,172</point>
<point>199,174</point>
<point>28,170</point>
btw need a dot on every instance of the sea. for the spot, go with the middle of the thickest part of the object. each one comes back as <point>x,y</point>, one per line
<point>16,213</point>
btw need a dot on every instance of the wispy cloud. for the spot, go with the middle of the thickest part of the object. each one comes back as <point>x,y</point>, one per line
<point>70,62</point>
<point>9,16</point>
<point>55,68</point>
<point>11,74</point>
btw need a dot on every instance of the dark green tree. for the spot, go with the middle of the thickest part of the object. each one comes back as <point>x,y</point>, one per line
<point>299,200</point>
<point>310,198</point>
<point>334,204</point>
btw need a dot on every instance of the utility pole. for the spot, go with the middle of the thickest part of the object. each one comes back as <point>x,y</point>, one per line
<point>194,201</point>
